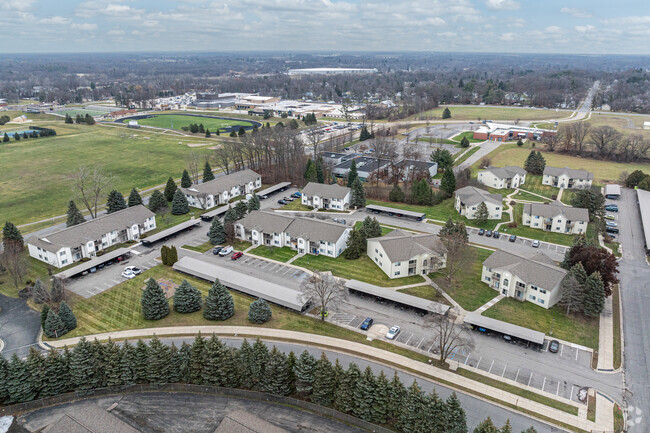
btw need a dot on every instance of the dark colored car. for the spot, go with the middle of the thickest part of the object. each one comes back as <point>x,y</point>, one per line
<point>296,195</point>
<point>282,202</point>
<point>611,208</point>
<point>481,232</point>
<point>611,230</point>
<point>554,346</point>
<point>488,233</point>
<point>513,238</point>
<point>236,255</point>
<point>366,324</point>
<point>216,250</point>
<point>496,234</point>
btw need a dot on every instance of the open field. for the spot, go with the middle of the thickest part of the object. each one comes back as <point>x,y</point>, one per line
<point>484,112</point>
<point>469,135</point>
<point>180,120</point>
<point>523,195</point>
<point>574,328</point>
<point>82,111</point>
<point>34,184</point>
<point>534,184</point>
<point>283,254</point>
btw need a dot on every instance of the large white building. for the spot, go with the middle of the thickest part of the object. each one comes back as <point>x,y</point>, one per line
<point>324,196</point>
<point>535,279</point>
<point>567,178</point>
<point>502,177</point>
<point>305,235</point>
<point>401,254</point>
<point>555,218</point>
<point>220,190</point>
<point>469,197</point>
<point>85,240</point>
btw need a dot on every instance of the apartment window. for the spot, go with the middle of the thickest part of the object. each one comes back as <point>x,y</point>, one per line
<point>381,264</point>
<point>505,282</point>
<point>64,261</point>
<point>376,250</point>
<point>381,255</point>
<point>532,297</point>
<point>397,272</point>
<point>497,208</point>
<point>541,301</point>
<point>398,264</point>
<point>376,260</point>
<point>532,287</point>
<point>542,291</point>
<point>62,253</point>
<point>488,279</point>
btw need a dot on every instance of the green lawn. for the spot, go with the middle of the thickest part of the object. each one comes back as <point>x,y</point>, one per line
<point>533,233</point>
<point>362,269</point>
<point>468,289</point>
<point>425,292</point>
<point>297,206</point>
<point>567,196</point>
<point>206,246</point>
<point>180,120</point>
<point>384,229</point>
<point>523,195</point>
<point>469,135</point>
<point>616,315</point>
<point>283,254</point>
<point>492,113</point>
<point>434,140</point>
<point>463,156</point>
<point>574,328</point>
<point>534,184</point>
<point>82,111</point>
<point>240,245</point>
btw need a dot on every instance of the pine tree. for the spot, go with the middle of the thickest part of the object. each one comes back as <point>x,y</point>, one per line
<point>396,194</point>
<point>456,419</point>
<point>276,374</point>
<point>482,214</point>
<point>364,394</point>
<point>4,373</point>
<point>57,374</point>
<point>253,203</point>
<point>141,362</point>
<point>435,413</point>
<point>304,371</point>
<point>246,360</point>
<point>44,311</point>
<point>364,134</point>
<point>446,114</point>
<point>35,364</point>
<point>5,138</point>
<point>520,142</point>
<point>207,133</point>
<point>230,371</point>
<point>242,131</point>
<point>370,228</point>
<point>354,245</point>
<point>171,188</point>
<point>68,119</point>
<point>185,359</point>
<point>67,317</point>
<point>241,209</point>
<point>324,382</point>
<point>159,362</point>
<point>219,304</point>
<point>186,181</point>
<point>207,172</point>
<point>507,427</point>
<point>594,295</point>
<point>173,255</point>
<point>98,378</point>
<point>259,312</point>
<point>320,174</point>
<point>310,172</point>
<point>54,326</point>
<point>217,232</point>
<point>396,396</point>
<point>18,381</point>
<point>448,183</point>
<point>358,198</point>
<point>153,301</point>
<point>201,128</point>
<point>157,201</point>
<point>11,234</point>
<point>81,367</point>
<point>74,215</point>
<point>112,363</point>
<point>134,198</point>
<point>115,202</point>
<point>175,364</point>
<point>212,361</point>
<point>90,120</point>
<point>412,415</point>
<point>187,298</point>
<point>230,216</point>
<point>353,175</point>
<point>464,142</point>
<point>344,400</point>
<point>260,360</point>
<point>127,363</point>
<point>379,407</point>
<point>197,355</point>
<point>179,203</point>
<point>487,426</point>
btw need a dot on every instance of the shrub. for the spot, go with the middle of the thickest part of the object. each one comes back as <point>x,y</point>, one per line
<point>513,225</point>
<point>259,311</point>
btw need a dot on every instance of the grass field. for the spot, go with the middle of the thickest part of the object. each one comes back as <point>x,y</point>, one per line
<point>82,111</point>
<point>469,135</point>
<point>523,195</point>
<point>492,113</point>
<point>180,120</point>
<point>534,184</point>
<point>206,246</point>
<point>384,230</point>
<point>576,329</point>
<point>425,292</point>
<point>296,205</point>
<point>463,156</point>
<point>283,254</point>
<point>34,184</point>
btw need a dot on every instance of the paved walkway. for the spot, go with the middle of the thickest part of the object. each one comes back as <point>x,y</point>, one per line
<point>559,197</point>
<point>488,304</point>
<point>297,256</point>
<point>449,378</point>
<point>510,210</point>
<point>606,338</point>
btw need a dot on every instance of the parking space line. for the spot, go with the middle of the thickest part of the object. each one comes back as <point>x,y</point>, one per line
<point>479,361</point>
<point>544,383</point>
<point>407,341</point>
<point>561,349</point>
<point>558,388</point>
<point>517,376</point>
<point>491,365</point>
<point>418,346</point>
<point>467,359</point>
<point>504,370</point>
<point>530,378</point>
<point>577,351</point>
<point>571,396</point>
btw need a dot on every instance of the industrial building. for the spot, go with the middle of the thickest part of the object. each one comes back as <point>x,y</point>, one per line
<point>502,132</point>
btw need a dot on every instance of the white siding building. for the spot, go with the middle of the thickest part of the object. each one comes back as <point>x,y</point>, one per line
<point>567,178</point>
<point>220,190</point>
<point>469,197</point>
<point>502,177</point>
<point>555,218</point>
<point>323,196</point>
<point>85,240</point>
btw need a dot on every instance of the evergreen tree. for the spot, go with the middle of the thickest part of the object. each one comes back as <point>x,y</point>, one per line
<point>358,198</point>
<point>276,374</point>
<point>197,356</point>
<point>291,364</point>
<point>354,246</point>
<point>115,202</point>
<point>421,193</point>
<point>98,378</point>
<point>54,326</point>
<point>535,163</point>
<point>242,131</point>
<point>153,301</point>
<point>364,395</point>
<point>310,172</point>
<point>180,206</point>
<point>246,360</point>
<point>157,202</point>
<point>35,364</point>
<point>74,215</point>
<point>260,360</point>
<point>187,298</point>
<point>81,368</point>
<point>230,216</point>
<point>134,198</point>
<point>186,181</point>
<point>44,311</point>
<point>594,299</point>
<point>141,362</point>
<point>159,362</point>
<point>413,412</point>
<point>520,142</point>
<point>482,213</point>
<point>436,413</point>
<point>446,114</point>
<point>353,174</point>
<point>11,234</point>
<point>344,400</point>
<point>487,426</point>
<point>68,119</point>
<point>233,133</point>
<point>464,142</point>
<point>230,371</point>
<point>185,360</point>
<point>396,396</point>
<point>448,183</point>
<point>207,172</point>
<point>170,188</point>
<point>507,427</point>
<point>4,373</point>
<point>207,133</point>
<point>320,174</point>
<point>175,364</point>
<point>5,138</point>
<point>201,128</point>
<point>212,361</point>
<point>57,374</point>
<point>396,194</point>
<point>443,158</point>
<point>324,382</point>
<point>67,317</point>
<point>379,409</point>
<point>127,364</point>
<point>217,232</point>
<point>304,371</point>
<point>18,381</point>
<point>241,209</point>
<point>112,360</point>
<point>456,419</point>
<point>164,254</point>
<point>364,134</point>
<point>370,228</point>
<point>259,311</point>
<point>219,304</point>
<point>253,203</point>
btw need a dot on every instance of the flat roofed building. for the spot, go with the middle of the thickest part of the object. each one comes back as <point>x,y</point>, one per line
<point>555,218</point>
<point>366,166</point>
<point>401,254</point>
<point>535,279</point>
<point>643,198</point>
<point>504,132</point>
<point>469,197</point>
<point>85,240</point>
<point>502,177</point>
<point>567,178</point>
<point>220,190</point>
<point>410,168</point>
<point>324,196</point>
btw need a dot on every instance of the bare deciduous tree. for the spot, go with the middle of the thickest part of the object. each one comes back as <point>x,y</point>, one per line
<point>579,132</point>
<point>193,161</point>
<point>459,253</point>
<point>14,260</point>
<point>449,336</point>
<point>222,157</point>
<point>605,139</point>
<point>324,290</point>
<point>89,184</point>
<point>552,141</point>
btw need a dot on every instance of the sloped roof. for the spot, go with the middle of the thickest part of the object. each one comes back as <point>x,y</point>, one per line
<point>268,222</point>
<point>88,418</point>
<point>471,195</point>
<point>307,228</point>
<point>325,190</point>
<point>223,183</point>
<point>550,210</point>
<point>401,246</point>
<point>505,172</point>
<point>536,269</point>
<point>572,173</point>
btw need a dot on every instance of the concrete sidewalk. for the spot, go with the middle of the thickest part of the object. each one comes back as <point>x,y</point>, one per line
<point>606,338</point>
<point>445,377</point>
<point>490,303</point>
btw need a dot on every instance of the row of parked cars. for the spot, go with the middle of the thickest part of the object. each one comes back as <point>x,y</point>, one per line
<point>224,251</point>
<point>391,334</point>
<point>291,198</point>
<point>610,226</point>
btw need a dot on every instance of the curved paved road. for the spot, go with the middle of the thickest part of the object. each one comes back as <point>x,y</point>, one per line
<point>19,326</point>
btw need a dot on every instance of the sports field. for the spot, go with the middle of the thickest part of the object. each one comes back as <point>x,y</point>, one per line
<point>483,112</point>
<point>176,121</point>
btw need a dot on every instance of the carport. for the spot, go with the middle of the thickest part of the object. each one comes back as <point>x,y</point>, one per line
<point>484,324</point>
<point>95,261</point>
<point>273,189</point>
<point>419,304</point>
<point>161,236</point>
<point>393,211</point>
<point>221,210</point>
<point>256,287</point>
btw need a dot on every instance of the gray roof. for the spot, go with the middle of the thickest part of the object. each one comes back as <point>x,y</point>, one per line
<point>274,188</point>
<point>401,246</point>
<point>267,222</point>
<point>88,418</point>
<point>253,286</point>
<point>307,228</point>
<point>572,173</point>
<point>364,164</point>
<point>395,210</point>
<point>506,172</point>
<point>240,421</point>
<point>325,190</point>
<point>612,189</point>
<point>471,195</point>
<point>223,183</point>
<point>536,269</point>
<point>505,328</point>
<point>171,231</point>
<point>550,210</point>
<point>92,230</point>
<point>644,206</point>
<point>399,297</point>
<point>417,165</point>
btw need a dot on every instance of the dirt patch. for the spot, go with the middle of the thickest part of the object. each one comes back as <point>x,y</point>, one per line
<point>198,144</point>
<point>168,287</point>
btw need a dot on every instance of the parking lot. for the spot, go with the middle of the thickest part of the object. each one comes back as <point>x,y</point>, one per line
<point>503,241</point>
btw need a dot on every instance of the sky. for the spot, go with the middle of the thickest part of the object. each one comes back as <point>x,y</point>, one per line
<point>522,26</point>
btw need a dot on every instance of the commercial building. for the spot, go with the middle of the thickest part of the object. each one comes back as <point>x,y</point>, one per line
<point>567,178</point>
<point>87,239</point>
<point>334,158</point>
<point>535,279</point>
<point>253,101</point>
<point>503,132</point>
<point>502,177</point>
<point>401,254</point>
<point>305,235</point>
<point>330,71</point>
<point>643,198</point>
<point>555,218</point>
<point>220,190</point>
<point>469,197</point>
<point>324,196</point>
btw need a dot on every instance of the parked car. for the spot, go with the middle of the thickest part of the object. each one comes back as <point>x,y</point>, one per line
<point>611,224</point>
<point>236,255</point>
<point>507,338</point>
<point>554,346</point>
<point>611,208</point>
<point>392,332</point>
<point>128,275</point>
<point>93,270</point>
<point>225,251</point>
<point>488,233</point>
<point>535,244</point>
<point>611,230</point>
<point>216,250</point>
<point>610,217</point>
<point>133,269</point>
<point>101,265</point>
<point>288,199</point>
<point>366,324</point>
<point>512,238</point>
<point>296,195</point>
<point>481,232</point>
<point>282,202</point>
<point>262,197</point>
<point>496,234</point>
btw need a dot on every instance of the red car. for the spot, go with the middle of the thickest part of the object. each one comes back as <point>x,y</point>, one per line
<point>236,255</point>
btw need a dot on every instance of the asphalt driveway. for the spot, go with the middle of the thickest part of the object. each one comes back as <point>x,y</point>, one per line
<point>19,326</point>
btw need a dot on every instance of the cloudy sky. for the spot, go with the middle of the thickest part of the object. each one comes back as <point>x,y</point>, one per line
<point>546,26</point>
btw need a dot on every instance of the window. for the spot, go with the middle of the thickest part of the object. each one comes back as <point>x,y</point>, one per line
<point>542,291</point>
<point>505,282</point>
<point>488,279</point>
<point>541,301</point>
<point>397,272</point>
<point>376,260</point>
<point>64,261</point>
<point>376,250</point>
<point>533,287</point>
<point>532,297</point>
<point>381,255</point>
<point>398,264</point>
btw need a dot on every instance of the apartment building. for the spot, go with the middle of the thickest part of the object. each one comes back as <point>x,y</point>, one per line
<point>502,177</point>
<point>469,197</point>
<point>220,190</point>
<point>324,196</point>
<point>567,178</point>
<point>555,218</point>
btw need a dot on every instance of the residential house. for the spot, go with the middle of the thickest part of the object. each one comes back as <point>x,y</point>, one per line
<point>305,235</point>
<point>401,254</point>
<point>222,189</point>
<point>85,240</point>
<point>333,158</point>
<point>567,178</point>
<point>366,166</point>
<point>535,279</point>
<point>410,169</point>
<point>324,196</point>
<point>469,197</point>
<point>555,218</point>
<point>502,177</point>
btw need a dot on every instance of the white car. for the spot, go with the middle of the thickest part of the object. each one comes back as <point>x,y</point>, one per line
<point>135,270</point>
<point>225,251</point>
<point>392,332</point>
<point>128,275</point>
